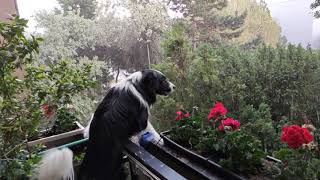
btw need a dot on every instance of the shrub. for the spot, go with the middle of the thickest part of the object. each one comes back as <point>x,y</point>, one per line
<point>283,78</point>
<point>55,86</point>
<point>43,94</point>
<point>19,110</point>
<point>265,88</point>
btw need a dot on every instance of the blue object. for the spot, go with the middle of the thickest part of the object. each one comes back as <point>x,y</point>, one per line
<point>145,139</point>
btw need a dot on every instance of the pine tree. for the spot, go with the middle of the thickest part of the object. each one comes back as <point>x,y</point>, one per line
<point>205,24</point>
<point>86,8</point>
<point>315,5</point>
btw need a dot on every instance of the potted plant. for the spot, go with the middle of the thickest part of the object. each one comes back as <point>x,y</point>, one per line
<point>301,156</point>
<point>222,141</point>
<point>37,103</point>
<point>55,86</point>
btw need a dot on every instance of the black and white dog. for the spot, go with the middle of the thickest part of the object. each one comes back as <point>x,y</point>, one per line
<point>122,114</point>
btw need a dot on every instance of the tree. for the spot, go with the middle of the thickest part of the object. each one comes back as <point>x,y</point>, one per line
<point>205,23</point>
<point>128,42</point>
<point>315,6</point>
<point>86,8</point>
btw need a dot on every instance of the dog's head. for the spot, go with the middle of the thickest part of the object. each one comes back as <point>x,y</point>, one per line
<point>154,81</point>
<point>145,85</point>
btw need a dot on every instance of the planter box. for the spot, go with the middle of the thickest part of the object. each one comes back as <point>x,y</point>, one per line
<point>206,162</point>
<point>59,139</point>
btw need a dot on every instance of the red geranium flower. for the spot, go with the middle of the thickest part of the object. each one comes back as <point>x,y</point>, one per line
<point>295,136</point>
<point>47,110</point>
<point>307,135</point>
<point>217,111</point>
<point>181,115</point>
<point>234,124</point>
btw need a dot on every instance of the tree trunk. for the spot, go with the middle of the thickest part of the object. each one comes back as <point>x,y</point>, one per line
<point>117,74</point>
<point>149,61</point>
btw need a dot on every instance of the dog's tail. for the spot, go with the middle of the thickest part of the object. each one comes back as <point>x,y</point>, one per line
<point>56,164</point>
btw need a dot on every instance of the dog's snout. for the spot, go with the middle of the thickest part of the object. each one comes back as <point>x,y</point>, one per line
<point>172,86</point>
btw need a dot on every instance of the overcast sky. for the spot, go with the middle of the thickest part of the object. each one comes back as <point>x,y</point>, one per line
<point>27,8</point>
<point>294,17</point>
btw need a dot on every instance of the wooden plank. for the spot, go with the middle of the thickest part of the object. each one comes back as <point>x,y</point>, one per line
<point>56,137</point>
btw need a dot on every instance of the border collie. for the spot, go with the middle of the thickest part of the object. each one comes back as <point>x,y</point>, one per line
<point>123,113</point>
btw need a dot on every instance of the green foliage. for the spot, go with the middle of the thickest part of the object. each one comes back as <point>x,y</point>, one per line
<point>64,121</point>
<point>284,78</point>
<point>78,158</point>
<point>206,24</point>
<point>315,5</point>
<point>59,82</point>
<point>28,101</point>
<point>243,152</point>
<point>209,142</point>
<point>236,150</point>
<point>20,168</point>
<point>84,106</point>
<point>76,35</point>
<point>166,104</point>
<point>19,111</point>
<point>86,8</point>
<point>187,132</point>
<point>299,164</point>
<point>204,77</point>
<point>56,85</point>
<point>266,89</point>
<point>176,46</point>
<point>259,124</point>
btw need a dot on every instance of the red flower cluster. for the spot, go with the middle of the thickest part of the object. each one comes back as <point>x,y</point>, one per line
<point>47,110</point>
<point>295,136</point>
<point>217,111</point>
<point>234,124</point>
<point>181,115</point>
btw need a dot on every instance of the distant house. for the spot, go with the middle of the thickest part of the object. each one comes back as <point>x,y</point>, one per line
<point>8,7</point>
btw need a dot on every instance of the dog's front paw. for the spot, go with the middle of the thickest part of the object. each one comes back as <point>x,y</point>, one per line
<point>160,142</point>
<point>135,139</point>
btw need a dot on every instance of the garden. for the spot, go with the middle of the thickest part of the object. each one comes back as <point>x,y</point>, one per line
<point>241,108</point>
<point>247,102</point>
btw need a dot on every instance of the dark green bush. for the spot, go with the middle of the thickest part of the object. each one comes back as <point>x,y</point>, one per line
<point>287,79</point>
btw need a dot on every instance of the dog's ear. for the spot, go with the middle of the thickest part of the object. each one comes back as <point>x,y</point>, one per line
<point>149,81</point>
<point>147,76</point>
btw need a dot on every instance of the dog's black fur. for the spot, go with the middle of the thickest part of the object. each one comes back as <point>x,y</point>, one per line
<point>119,116</point>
